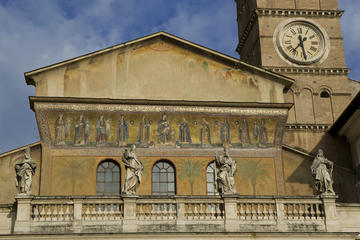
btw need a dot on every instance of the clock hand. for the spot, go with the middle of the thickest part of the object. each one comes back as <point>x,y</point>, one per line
<point>303,49</point>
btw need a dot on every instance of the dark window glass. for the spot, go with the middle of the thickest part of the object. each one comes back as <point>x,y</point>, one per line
<point>108,178</point>
<point>324,94</point>
<point>210,179</point>
<point>163,179</point>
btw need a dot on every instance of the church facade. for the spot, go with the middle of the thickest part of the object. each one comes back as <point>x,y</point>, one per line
<point>162,136</point>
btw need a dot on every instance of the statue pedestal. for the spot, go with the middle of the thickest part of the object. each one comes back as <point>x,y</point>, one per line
<point>129,223</point>
<point>231,218</point>
<point>23,213</point>
<point>331,218</point>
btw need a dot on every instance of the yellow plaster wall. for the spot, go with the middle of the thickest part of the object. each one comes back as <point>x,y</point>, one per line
<point>77,175</point>
<point>145,71</point>
<point>7,177</point>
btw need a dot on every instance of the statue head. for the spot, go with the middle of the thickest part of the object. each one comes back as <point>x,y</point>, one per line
<point>133,148</point>
<point>164,116</point>
<point>226,151</point>
<point>27,153</point>
<point>61,115</point>
<point>320,153</point>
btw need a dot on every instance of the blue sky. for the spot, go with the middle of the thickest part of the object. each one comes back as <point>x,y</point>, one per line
<point>37,33</point>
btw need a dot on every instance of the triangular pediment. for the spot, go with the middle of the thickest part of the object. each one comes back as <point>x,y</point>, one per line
<point>159,67</point>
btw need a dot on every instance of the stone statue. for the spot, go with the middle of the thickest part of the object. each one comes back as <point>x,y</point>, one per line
<point>244,136</point>
<point>225,169</point>
<point>164,130</point>
<point>60,130</point>
<point>184,132</point>
<point>322,169</point>
<point>134,169</point>
<point>144,131</point>
<point>123,132</point>
<point>25,169</point>
<point>79,138</point>
<point>205,137</point>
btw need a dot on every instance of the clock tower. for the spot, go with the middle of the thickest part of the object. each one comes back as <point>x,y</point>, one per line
<point>300,39</point>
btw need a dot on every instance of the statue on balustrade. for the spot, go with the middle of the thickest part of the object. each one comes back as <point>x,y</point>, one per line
<point>134,169</point>
<point>225,169</point>
<point>322,169</point>
<point>25,170</point>
<point>60,130</point>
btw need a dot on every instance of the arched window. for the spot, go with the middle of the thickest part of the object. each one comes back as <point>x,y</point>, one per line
<point>324,94</point>
<point>210,179</point>
<point>163,179</point>
<point>108,178</point>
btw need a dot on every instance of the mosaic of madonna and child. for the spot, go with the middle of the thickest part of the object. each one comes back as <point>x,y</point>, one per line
<point>160,129</point>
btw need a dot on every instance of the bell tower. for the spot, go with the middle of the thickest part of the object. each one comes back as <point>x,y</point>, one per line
<point>300,39</point>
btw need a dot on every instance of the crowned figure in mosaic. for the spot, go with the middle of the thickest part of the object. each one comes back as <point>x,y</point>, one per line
<point>134,169</point>
<point>322,169</point>
<point>225,168</point>
<point>25,170</point>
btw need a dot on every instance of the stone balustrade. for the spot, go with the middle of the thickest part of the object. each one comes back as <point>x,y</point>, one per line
<point>228,213</point>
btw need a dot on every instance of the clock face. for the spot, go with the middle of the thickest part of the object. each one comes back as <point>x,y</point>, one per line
<point>301,42</point>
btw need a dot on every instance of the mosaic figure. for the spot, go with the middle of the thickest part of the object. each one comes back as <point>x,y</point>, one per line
<point>244,136</point>
<point>60,130</point>
<point>144,131</point>
<point>225,170</point>
<point>164,130</point>
<point>101,135</point>
<point>184,132</point>
<point>205,137</point>
<point>322,169</point>
<point>263,132</point>
<point>225,132</point>
<point>87,131</point>
<point>134,169</point>
<point>79,138</point>
<point>123,131</point>
<point>67,127</point>
<point>25,170</point>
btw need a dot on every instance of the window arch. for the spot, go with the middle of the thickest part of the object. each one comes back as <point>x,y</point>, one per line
<point>163,178</point>
<point>210,179</point>
<point>108,178</point>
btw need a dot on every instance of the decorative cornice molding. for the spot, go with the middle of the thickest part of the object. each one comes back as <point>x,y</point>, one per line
<point>309,70</point>
<point>298,12</point>
<point>311,127</point>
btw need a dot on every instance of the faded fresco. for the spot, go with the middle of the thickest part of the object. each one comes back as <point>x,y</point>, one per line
<point>144,70</point>
<point>160,130</point>
<point>77,176</point>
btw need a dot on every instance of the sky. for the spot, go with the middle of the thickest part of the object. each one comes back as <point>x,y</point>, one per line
<point>35,34</point>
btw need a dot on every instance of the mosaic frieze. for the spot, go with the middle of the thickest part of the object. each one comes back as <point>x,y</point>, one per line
<point>160,129</point>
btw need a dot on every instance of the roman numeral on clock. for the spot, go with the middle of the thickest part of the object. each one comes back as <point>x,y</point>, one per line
<point>299,30</point>
<point>292,31</point>
<point>314,49</point>
<point>314,43</point>
<point>287,42</point>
